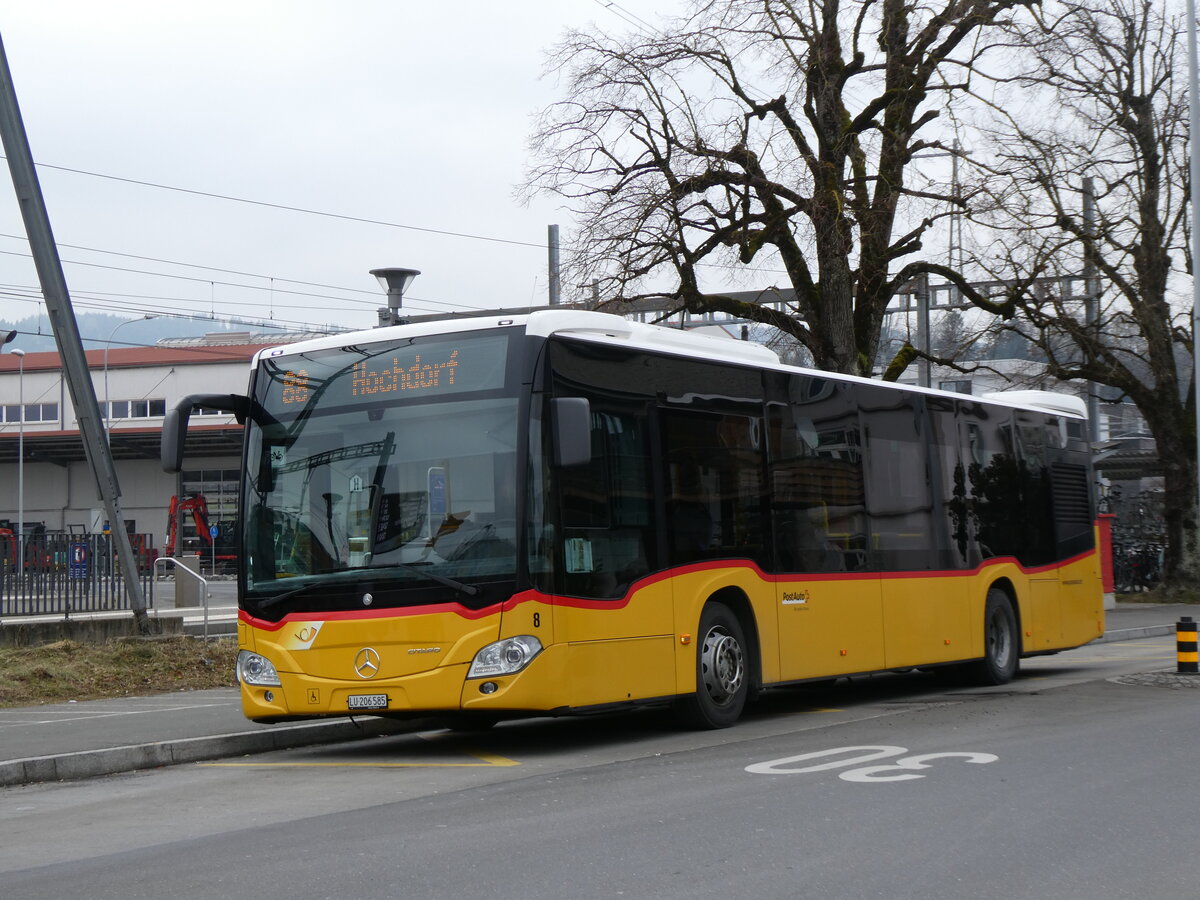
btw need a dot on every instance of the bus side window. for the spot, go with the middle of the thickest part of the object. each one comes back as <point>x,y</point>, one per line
<point>817,479</point>
<point>1035,436</point>
<point>715,486</point>
<point>899,499</point>
<point>608,529</point>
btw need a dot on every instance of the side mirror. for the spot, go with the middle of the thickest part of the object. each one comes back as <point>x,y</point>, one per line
<point>175,422</point>
<point>571,431</point>
<point>174,429</point>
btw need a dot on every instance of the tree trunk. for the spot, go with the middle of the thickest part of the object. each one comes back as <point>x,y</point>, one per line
<point>1181,563</point>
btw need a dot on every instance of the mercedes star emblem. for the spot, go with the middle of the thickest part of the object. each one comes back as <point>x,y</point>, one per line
<point>366,663</point>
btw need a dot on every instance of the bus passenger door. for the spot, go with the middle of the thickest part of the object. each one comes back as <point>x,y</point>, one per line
<point>613,617</point>
<point>829,602</point>
<point>915,484</point>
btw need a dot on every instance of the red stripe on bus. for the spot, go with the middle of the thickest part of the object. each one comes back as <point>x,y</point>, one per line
<point>535,596</point>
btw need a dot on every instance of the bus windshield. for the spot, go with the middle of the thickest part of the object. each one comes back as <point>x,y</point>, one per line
<point>394,460</point>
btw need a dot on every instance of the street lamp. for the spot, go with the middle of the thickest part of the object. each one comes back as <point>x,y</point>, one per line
<point>395,282</point>
<point>20,355</point>
<point>107,344</point>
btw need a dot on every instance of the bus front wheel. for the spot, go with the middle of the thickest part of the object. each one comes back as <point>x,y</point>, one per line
<point>722,672</point>
<point>1001,641</point>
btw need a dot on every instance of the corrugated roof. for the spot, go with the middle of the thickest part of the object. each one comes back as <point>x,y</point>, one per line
<point>124,357</point>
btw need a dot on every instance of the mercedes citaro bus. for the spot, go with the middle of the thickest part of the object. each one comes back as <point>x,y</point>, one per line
<point>565,511</point>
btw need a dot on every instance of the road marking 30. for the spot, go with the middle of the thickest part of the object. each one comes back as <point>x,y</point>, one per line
<point>898,770</point>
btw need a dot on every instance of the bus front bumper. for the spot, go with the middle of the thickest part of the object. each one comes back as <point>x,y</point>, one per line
<point>539,687</point>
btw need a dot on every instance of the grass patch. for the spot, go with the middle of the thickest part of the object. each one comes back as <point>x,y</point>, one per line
<point>68,670</point>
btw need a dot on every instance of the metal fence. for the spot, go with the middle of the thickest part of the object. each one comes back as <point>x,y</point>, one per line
<point>63,573</point>
<point>1139,538</point>
<point>1136,566</point>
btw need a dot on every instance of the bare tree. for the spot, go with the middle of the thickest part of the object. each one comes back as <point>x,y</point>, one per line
<point>1104,102</point>
<point>765,133</point>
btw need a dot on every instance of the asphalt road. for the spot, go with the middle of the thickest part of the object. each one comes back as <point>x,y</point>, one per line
<point>1065,784</point>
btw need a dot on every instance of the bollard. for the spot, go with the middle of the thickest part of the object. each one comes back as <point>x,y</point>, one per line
<point>1188,661</point>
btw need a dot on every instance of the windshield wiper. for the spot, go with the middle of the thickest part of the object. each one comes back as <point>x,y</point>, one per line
<point>469,590</point>
<point>279,598</point>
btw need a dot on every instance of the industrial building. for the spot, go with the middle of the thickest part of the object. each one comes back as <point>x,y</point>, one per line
<point>54,489</point>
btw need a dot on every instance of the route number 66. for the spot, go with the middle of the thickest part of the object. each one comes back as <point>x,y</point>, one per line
<point>898,770</point>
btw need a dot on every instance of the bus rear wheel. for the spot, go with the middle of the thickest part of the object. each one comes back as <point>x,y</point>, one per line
<point>1001,642</point>
<point>722,672</point>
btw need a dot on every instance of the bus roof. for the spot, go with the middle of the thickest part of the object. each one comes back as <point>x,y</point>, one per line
<point>609,328</point>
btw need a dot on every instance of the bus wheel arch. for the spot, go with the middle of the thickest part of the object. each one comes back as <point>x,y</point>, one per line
<point>739,604</point>
<point>1001,636</point>
<point>726,659</point>
<point>1010,591</point>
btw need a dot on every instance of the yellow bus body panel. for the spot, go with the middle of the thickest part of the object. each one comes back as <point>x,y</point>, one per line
<point>1081,600</point>
<point>830,626</point>
<point>643,646</point>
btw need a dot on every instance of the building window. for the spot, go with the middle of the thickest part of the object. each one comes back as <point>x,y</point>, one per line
<point>34,412</point>
<point>957,387</point>
<point>137,409</point>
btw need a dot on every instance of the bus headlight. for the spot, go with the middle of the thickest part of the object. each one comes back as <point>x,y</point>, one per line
<point>505,657</point>
<point>255,669</point>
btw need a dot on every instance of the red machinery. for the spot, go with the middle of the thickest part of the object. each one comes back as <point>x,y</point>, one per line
<point>8,550</point>
<point>196,507</point>
<point>37,553</point>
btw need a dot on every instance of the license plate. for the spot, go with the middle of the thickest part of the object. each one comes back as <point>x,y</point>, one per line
<point>367,701</point>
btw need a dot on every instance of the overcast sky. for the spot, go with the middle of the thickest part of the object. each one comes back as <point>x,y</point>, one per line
<point>404,112</point>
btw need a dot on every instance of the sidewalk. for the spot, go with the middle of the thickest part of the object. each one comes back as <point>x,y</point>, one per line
<point>215,618</point>
<point>103,737</point>
<point>1137,620</point>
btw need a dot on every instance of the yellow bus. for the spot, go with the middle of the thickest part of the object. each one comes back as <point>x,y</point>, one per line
<point>565,511</point>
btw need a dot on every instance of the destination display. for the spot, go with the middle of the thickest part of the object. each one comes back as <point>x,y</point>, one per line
<point>428,375</point>
<point>388,371</point>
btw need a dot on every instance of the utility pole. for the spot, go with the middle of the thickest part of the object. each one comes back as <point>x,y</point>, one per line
<point>553,265</point>
<point>1091,291</point>
<point>924,330</point>
<point>66,331</point>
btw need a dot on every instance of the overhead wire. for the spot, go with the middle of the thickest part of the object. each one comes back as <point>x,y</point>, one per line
<point>613,7</point>
<point>629,18</point>
<point>251,287</point>
<point>173,262</point>
<point>288,208</point>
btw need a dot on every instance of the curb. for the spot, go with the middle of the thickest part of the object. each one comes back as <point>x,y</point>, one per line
<point>1131,634</point>
<point>114,760</point>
